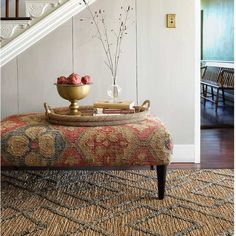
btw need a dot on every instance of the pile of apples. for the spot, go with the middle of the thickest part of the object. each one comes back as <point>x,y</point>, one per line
<point>75,79</point>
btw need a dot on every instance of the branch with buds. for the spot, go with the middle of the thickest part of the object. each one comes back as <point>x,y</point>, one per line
<point>112,56</point>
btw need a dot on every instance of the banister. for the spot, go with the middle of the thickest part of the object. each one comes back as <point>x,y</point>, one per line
<point>17,8</point>
<point>7,8</point>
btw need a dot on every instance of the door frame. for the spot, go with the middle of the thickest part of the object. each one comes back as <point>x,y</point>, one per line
<point>197,123</point>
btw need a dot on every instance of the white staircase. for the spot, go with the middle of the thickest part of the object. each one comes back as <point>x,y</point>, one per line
<point>45,16</point>
<point>9,28</point>
<point>35,10</point>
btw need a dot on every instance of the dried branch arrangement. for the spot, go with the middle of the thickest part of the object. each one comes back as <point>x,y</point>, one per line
<point>112,49</point>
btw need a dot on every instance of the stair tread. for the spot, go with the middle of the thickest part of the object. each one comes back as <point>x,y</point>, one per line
<point>16,18</point>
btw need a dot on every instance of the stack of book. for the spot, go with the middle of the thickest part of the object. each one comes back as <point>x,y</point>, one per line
<point>123,107</point>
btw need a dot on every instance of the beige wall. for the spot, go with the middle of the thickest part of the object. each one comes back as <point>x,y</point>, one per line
<point>165,65</point>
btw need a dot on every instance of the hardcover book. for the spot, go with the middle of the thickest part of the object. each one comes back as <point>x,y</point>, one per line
<point>118,105</point>
<point>118,111</point>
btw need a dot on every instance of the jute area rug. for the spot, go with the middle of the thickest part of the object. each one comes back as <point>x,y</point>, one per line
<point>116,203</point>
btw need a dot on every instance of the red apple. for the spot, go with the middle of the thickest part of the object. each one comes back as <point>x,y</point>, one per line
<point>86,79</point>
<point>62,80</point>
<point>74,79</point>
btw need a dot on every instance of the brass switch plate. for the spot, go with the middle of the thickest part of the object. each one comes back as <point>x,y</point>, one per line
<point>171,20</point>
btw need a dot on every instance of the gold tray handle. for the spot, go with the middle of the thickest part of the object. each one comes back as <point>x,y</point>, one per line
<point>47,109</point>
<point>145,106</point>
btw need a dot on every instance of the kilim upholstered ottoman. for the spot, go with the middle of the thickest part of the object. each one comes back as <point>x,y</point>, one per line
<point>29,141</point>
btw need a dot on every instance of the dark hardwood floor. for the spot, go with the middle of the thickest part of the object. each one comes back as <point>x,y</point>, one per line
<point>217,139</point>
<point>224,118</point>
<point>217,148</point>
<point>217,136</point>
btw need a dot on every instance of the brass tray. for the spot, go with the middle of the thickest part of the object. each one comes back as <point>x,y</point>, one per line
<point>90,118</point>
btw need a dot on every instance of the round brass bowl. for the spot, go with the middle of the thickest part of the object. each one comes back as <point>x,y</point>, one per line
<point>73,93</point>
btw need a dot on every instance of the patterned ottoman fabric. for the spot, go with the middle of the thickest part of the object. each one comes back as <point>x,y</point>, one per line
<point>29,140</point>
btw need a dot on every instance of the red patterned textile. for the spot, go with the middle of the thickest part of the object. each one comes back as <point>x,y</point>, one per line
<point>29,140</point>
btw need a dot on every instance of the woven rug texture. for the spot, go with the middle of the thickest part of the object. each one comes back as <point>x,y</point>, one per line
<point>116,203</point>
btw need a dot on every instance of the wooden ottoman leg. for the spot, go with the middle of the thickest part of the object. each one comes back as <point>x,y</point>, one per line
<point>161,178</point>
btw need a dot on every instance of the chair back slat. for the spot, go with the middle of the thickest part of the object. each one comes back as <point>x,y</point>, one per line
<point>211,73</point>
<point>203,71</point>
<point>227,77</point>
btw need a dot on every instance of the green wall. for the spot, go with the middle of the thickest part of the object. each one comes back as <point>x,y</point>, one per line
<point>218,30</point>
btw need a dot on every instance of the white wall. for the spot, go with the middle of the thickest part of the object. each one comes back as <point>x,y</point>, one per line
<point>89,55</point>
<point>165,65</point>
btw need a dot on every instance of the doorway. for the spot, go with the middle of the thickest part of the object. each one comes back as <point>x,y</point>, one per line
<point>217,83</point>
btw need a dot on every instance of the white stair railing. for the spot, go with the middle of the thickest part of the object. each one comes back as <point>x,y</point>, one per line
<point>35,10</point>
<point>42,28</point>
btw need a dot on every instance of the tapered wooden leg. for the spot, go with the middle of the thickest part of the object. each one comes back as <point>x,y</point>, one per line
<point>203,90</point>
<point>151,167</point>
<point>205,95</point>
<point>223,96</point>
<point>212,93</point>
<point>161,178</point>
<point>217,100</point>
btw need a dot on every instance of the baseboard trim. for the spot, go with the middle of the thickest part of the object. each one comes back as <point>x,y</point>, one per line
<point>184,153</point>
